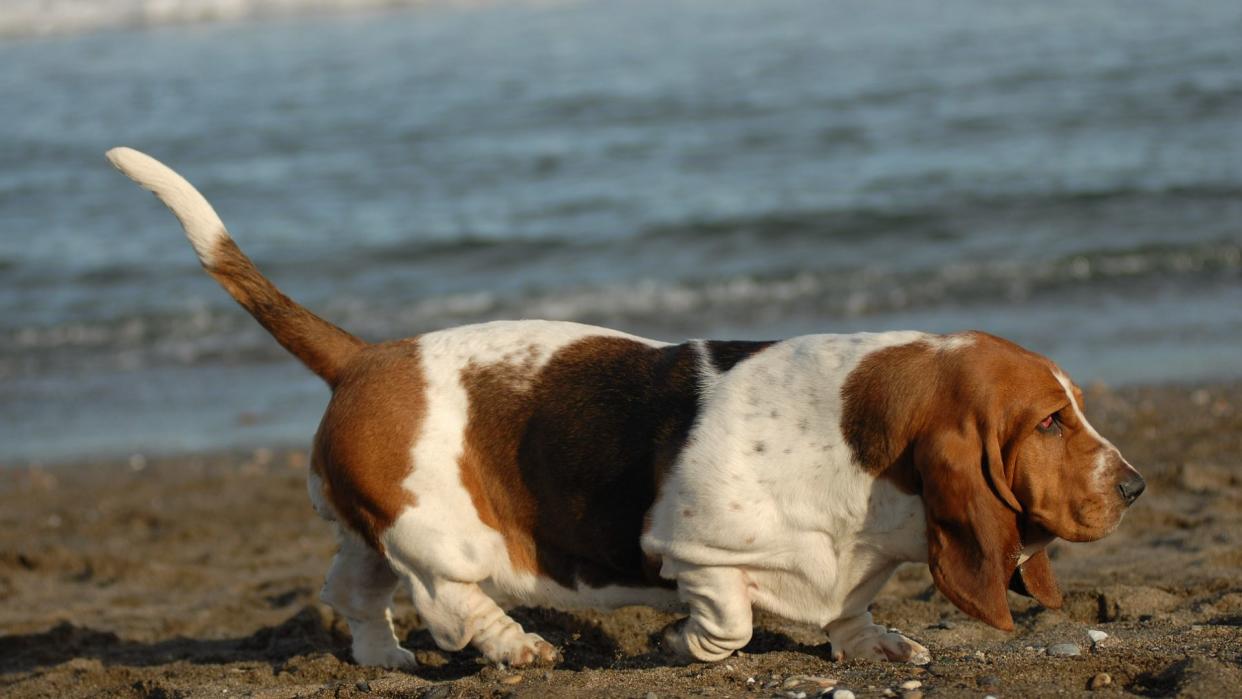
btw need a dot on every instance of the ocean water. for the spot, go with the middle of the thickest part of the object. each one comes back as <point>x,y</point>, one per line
<point>1065,174</point>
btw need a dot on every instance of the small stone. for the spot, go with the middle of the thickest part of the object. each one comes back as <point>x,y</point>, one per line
<point>1063,650</point>
<point>1096,636</point>
<point>945,624</point>
<point>842,694</point>
<point>888,692</point>
<point>988,681</point>
<point>511,679</point>
<point>980,655</point>
<point>911,684</point>
<point>363,686</point>
<point>1102,679</point>
<point>795,695</point>
<point>916,694</point>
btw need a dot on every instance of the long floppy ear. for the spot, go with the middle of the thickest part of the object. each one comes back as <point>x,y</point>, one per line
<point>972,534</point>
<point>1034,578</point>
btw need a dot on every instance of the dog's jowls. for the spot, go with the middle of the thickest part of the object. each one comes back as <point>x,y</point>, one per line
<point>563,465</point>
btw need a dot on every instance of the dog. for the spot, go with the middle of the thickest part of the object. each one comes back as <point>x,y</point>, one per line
<point>558,464</point>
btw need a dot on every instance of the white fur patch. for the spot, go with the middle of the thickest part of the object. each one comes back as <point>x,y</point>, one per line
<point>1100,470</point>
<point>950,343</point>
<point>768,483</point>
<point>202,226</point>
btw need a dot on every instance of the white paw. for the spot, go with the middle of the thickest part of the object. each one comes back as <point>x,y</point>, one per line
<point>900,649</point>
<point>674,641</point>
<point>522,651</point>
<point>686,641</point>
<point>887,646</point>
<point>392,656</point>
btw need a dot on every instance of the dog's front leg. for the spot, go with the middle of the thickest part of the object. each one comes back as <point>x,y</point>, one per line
<point>720,619</point>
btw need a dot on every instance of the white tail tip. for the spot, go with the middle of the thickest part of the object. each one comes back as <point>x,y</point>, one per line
<point>202,226</point>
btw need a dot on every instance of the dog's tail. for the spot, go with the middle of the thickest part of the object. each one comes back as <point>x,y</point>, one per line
<point>320,345</point>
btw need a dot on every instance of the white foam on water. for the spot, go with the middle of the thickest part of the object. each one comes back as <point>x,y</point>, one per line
<point>58,17</point>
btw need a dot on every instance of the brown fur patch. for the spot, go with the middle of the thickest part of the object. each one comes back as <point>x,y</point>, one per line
<point>500,404</point>
<point>565,462</point>
<point>363,446</point>
<point>885,400</point>
<point>323,347</point>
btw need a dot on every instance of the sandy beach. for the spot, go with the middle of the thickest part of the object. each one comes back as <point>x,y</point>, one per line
<point>198,576</point>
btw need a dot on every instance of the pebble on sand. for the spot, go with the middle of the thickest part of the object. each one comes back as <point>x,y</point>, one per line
<point>1096,636</point>
<point>1102,679</point>
<point>1064,649</point>
<point>911,684</point>
<point>988,681</point>
<point>842,694</point>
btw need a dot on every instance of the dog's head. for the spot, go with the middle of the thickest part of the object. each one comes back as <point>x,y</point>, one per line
<point>995,440</point>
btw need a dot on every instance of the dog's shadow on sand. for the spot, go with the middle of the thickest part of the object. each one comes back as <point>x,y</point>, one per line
<point>303,633</point>
<point>584,643</point>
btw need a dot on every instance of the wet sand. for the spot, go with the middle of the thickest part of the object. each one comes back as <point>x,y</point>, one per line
<point>198,576</point>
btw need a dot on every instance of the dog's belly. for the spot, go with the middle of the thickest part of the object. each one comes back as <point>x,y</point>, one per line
<point>513,588</point>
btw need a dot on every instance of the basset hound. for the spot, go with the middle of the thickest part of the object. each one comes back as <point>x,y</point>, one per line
<point>563,465</point>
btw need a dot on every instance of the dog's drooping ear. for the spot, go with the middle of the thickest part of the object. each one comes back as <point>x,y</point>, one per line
<point>972,534</point>
<point>1034,578</point>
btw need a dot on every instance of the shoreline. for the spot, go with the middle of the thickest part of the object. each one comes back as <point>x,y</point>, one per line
<point>189,575</point>
<point>259,449</point>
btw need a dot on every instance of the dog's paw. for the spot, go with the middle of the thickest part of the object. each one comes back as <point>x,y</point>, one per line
<point>686,641</point>
<point>889,646</point>
<point>525,651</point>
<point>899,649</point>
<point>674,644</point>
<point>394,657</point>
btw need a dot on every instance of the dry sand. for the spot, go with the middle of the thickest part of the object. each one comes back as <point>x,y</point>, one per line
<point>198,576</point>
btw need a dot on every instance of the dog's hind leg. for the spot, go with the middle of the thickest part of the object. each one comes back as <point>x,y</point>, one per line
<point>458,613</point>
<point>359,586</point>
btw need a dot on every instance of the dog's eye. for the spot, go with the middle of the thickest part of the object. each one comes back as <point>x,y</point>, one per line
<point>1049,425</point>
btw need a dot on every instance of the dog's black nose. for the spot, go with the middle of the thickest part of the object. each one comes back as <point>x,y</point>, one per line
<point>1131,489</point>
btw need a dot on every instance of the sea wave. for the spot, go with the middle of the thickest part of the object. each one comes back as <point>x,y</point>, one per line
<point>220,333</point>
<point>58,17</point>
